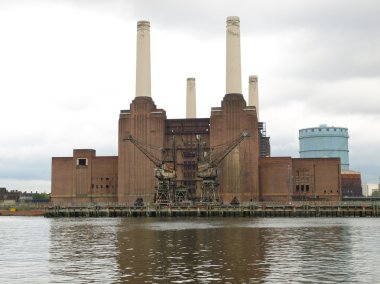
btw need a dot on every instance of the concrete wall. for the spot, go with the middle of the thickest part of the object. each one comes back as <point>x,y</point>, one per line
<point>73,182</point>
<point>104,179</point>
<point>62,180</point>
<point>145,123</point>
<point>322,175</point>
<point>275,179</point>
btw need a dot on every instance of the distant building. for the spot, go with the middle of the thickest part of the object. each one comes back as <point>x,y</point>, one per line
<point>26,197</point>
<point>369,188</point>
<point>351,184</point>
<point>3,191</point>
<point>14,196</point>
<point>325,142</point>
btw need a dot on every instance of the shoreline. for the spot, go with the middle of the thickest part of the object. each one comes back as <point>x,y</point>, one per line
<point>22,212</point>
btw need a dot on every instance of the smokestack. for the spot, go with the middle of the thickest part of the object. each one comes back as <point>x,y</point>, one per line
<point>191,111</point>
<point>143,60</point>
<point>233,61</point>
<point>253,97</point>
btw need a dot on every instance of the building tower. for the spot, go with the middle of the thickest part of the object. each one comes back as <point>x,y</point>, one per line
<point>238,175</point>
<point>191,109</point>
<point>253,93</point>
<point>145,123</point>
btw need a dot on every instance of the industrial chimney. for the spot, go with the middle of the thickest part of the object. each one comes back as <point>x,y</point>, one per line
<point>143,81</point>
<point>191,111</point>
<point>233,60</point>
<point>253,97</point>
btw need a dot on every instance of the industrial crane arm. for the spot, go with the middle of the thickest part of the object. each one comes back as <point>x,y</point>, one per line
<point>143,150</point>
<point>207,169</point>
<point>215,162</point>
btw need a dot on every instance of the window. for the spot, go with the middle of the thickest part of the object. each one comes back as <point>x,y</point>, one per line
<point>82,162</point>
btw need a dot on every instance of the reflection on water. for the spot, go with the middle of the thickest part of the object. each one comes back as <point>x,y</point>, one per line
<point>199,250</point>
<point>83,250</point>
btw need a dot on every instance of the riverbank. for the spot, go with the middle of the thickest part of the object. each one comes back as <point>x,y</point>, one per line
<point>299,209</point>
<point>22,212</point>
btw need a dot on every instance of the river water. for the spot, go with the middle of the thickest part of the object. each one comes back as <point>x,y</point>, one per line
<point>189,250</point>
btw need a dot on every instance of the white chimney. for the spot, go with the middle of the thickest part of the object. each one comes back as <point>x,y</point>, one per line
<point>233,60</point>
<point>253,97</point>
<point>143,81</point>
<point>191,111</point>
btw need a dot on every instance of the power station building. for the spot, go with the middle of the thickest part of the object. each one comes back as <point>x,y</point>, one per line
<point>223,158</point>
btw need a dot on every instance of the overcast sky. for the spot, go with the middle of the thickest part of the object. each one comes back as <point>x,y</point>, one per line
<point>67,68</point>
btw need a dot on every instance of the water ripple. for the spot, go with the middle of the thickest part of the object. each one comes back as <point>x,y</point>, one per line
<point>220,250</point>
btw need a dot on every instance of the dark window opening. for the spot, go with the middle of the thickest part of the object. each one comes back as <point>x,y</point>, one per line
<point>82,162</point>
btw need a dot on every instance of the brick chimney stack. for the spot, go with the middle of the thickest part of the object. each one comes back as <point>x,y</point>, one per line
<point>233,60</point>
<point>191,110</point>
<point>143,80</point>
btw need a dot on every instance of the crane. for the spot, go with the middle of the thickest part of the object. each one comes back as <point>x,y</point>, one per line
<point>164,173</point>
<point>207,170</point>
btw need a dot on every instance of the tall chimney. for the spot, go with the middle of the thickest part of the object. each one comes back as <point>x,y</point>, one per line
<point>191,111</point>
<point>233,61</point>
<point>253,97</point>
<point>143,82</point>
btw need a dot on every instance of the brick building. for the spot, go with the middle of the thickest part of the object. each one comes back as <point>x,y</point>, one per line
<point>247,173</point>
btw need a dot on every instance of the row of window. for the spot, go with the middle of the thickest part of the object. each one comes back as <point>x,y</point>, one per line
<point>302,187</point>
<point>189,166</point>
<point>328,129</point>
<point>100,186</point>
<point>104,178</point>
<point>189,175</point>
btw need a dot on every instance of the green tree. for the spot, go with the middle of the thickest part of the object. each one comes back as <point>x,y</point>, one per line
<point>41,197</point>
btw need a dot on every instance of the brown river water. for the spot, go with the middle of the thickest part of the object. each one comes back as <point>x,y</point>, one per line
<point>189,250</point>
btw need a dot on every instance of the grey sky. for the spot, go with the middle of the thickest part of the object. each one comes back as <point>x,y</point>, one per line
<point>68,67</point>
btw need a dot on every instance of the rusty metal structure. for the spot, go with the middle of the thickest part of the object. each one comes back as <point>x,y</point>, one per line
<point>208,171</point>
